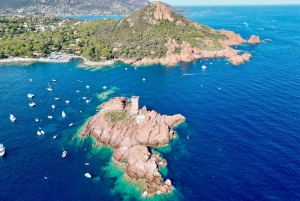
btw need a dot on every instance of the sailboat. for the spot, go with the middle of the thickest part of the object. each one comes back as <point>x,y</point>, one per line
<point>49,88</point>
<point>63,114</point>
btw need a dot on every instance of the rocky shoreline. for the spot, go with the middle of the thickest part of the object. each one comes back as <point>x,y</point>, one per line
<point>132,136</point>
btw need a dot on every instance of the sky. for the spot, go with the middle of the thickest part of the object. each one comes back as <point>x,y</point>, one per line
<point>228,2</point>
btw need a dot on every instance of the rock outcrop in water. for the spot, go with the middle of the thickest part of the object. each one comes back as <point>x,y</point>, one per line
<point>131,136</point>
<point>254,39</point>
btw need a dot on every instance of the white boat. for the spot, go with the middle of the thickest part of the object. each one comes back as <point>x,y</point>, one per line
<point>53,106</point>
<point>84,98</point>
<point>88,175</point>
<point>63,114</point>
<point>64,154</point>
<point>32,104</point>
<point>53,80</point>
<point>56,98</point>
<point>87,86</point>
<point>30,95</point>
<point>12,118</point>
<point>104,87</point>
<point>42,132</point>
<point>71,124</point>
<point>87,101</point>
<point>36,119</point>
<point>67,101</point>
<point>50,117</point>
<point>55,136</point>
<point>30,80</point>
<point>203,67</point>
<point>144,79</point>
<point>77,91</point>
<point>125,68</point>
<point>2,150</point>
<point>49,87</point>
<point>39,133</point>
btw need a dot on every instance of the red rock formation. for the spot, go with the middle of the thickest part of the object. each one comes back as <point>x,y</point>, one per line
<point>162,12</point>
<point>131,136</point>
<point>254,39</point>
<point>233,38</point>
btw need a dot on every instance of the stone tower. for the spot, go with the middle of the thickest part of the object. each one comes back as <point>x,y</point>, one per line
<point>135,105</point>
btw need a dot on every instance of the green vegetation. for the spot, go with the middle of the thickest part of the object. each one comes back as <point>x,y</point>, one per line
<point>137,36</point>
<point>116,116</point>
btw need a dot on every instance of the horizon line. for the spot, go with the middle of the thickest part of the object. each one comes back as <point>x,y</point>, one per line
<point>242,5</point>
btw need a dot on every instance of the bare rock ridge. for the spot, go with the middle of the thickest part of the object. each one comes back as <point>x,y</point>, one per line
<point>131,136</point>
<point>188,52</point>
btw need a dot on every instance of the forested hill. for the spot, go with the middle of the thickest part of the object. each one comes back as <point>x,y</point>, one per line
<point>145,33</point>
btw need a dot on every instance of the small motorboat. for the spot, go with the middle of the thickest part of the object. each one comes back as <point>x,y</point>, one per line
<point>53,80</point>
<point>49,87</point>
<point>37,120</point>
<point>2,150</point>
<point>42,132</point>
<point>30,80</point>
<point>39,133</point>
<point>203,67</point>
<point>88,175</point>
<point>71,124</point>
<point>55,136</point>
<point>87,86</point>
<point>77,91</point>
<point>67,101</point>
<point>30,95</point>
<point>88,101</point>
<point>84,98</point>
<point>53,106</point>
<point>56,98</point>
<point>104,87</point>
<point>50,117</point>
<point>144,79</point>
<point>32,104</point>
<point>12,118</point>
<point>125,68</point>
<point>64,154</point>
<point>63,114</point>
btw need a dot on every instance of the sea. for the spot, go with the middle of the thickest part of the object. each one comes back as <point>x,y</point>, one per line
<point>242,121</point>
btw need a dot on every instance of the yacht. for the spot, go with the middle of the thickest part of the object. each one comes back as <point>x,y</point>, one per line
<point>77,91</point>
<point>50,117</point>
<point>203,67</point>
<point>71,124</point>
<point>36,119</point>
<point>39,132</point>
<point>84,98</point>
<point>53,106</point>
<point>49,87</point>
<point>63,114</point>
<point>12,118</point>
<point>42,132</point>
<point>104,87</point>
<point>87,101</point>
<point>32,104</point>
<point>67,101</point>
<point>53,80</point>
<point>88,175</point>
<point>30,95</point>
<point>56,98</point>
<point>2,149</point>
<point>144,79</point>
<point>64,154</point>
<point>55,136</point>
<point>87,86</point>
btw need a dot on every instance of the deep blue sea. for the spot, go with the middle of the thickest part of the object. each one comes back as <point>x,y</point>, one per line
<point>242,121</point>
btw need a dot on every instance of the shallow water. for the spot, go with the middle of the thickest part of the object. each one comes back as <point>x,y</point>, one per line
<point>244,142</point>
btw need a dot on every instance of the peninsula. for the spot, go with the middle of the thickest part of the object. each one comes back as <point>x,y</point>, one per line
<point>131,132</point>
<point>150,35</point>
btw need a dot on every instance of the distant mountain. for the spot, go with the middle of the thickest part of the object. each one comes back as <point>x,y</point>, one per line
<point>84,4</point>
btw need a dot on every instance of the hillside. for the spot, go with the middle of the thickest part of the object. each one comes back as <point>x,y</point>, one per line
<point>152,34</point>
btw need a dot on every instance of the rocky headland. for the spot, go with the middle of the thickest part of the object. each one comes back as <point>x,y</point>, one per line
<point>132,136</point>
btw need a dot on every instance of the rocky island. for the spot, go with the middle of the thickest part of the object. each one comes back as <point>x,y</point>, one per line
<point>150,35</point>
<point>131,132</point>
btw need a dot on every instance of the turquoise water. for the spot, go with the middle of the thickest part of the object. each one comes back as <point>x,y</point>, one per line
<point>244,138</point>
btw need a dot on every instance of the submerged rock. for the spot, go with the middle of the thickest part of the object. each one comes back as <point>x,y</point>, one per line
<point>132,136</point>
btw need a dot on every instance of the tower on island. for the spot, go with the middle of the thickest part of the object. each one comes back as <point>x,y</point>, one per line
<point>135,105</point>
